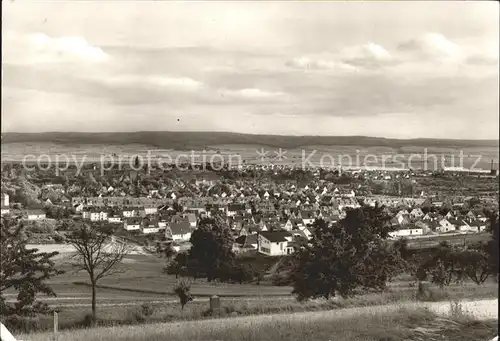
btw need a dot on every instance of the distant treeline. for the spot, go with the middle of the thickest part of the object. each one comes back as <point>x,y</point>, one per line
<point>183,140</point>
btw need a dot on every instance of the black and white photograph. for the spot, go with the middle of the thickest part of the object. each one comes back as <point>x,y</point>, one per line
<point>249,170</point>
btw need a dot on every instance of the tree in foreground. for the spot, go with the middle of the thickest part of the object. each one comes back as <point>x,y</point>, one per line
<point>23,270</point>
<point>211,252</point>
<point>447,264</point>
<point>345,257</point>
<point>475,264</point>
<point>98,253</point>
<point>183,292</point>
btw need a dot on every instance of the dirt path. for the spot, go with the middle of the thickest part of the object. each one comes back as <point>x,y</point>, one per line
<point>59,301</point>
<point>480,309</point>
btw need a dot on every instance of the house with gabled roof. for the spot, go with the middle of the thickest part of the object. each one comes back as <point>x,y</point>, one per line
<point>114,219</point>
<point>445,226</point>
<point>308,217</point>
<point>477,226</point>
<point>150,226</point>
<point>245,243</point>
<point>288,226</point>
<point>416,213</point>
<point>234,209</point>
<point>35,214</point>
<point>150,210</point>
<point>196,207</point>
<point>132,224</point>
<point>131,211</point>
<point>275,243</point>
<point>95,214</point>
<point>449,215</point>
<point>481,217</point>
<point>191,217</point>
<point>178,231</point>
<point>460,224</point>
<point>430,216</point>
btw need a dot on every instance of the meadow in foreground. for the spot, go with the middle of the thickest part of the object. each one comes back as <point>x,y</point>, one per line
<point>354,324</point>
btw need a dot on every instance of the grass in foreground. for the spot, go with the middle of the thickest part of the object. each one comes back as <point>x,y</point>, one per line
<point>132,315</point>
<point>354,324</point>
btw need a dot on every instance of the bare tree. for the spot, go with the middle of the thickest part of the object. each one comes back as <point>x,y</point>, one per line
<point>98,253</point>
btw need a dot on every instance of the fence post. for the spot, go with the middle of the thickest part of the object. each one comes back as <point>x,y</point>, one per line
<point>56,324</point>
<point>215,304</point>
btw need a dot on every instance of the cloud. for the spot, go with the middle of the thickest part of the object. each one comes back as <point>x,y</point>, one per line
<point>39,48</point>
<point>350,59</point>
<point>432,46</point>
<point>487,56</point>
<point>185,84</point>
<point>315,63</point>
<point>72,47</point>
<point>482,59</point>
<point>368,55</point>
<point>251,93</point>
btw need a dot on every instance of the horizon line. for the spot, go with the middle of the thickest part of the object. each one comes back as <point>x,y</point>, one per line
<point>238,133</point>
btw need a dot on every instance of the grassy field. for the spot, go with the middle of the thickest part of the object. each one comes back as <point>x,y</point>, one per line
<point>71,316</point>
<point>144,274</point>
<point>142,282</point>
<point>356,324</point>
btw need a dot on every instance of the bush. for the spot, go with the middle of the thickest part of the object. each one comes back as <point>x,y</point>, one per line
<point>59,238</point>
<point>42,227</point>
<point>22,324</point>
<point>147,309</point>
<point>427,294</point>
<point>141,313</point>
<point>457,311</point>
<point>222,312</point>
<point>281,279</point>
<point>87,320</point>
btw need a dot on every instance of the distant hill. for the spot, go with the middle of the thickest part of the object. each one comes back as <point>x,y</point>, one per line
<point>193,140</point>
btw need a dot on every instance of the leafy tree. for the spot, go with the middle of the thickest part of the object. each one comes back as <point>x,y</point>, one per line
<point>98,253</point>
<point>182,290</point>
<point>211,249</point>
<point>235,273</point>
<point>476,264</point>
<point>24,270</point>
<point>177,266</point>
<point>165,249</point>
<point>447,264</point>
<point>437,265</point>
<point>493,245</point>
<point>346,256</point>
<point>173,268</point>
<point>440,274</point>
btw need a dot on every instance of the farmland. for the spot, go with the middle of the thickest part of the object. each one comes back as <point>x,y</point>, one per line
<point>391,156</point>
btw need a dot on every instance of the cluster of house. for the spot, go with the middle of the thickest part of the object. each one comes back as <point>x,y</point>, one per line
<point>30,214</point>
<point>269,220</point>
<point>270,224</point>
<point>418,223</point>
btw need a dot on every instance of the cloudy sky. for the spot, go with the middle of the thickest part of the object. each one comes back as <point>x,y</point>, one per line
<point>389,69</point>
